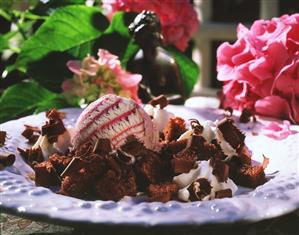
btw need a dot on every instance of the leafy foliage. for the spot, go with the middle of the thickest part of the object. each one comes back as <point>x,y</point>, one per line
<point>25,98</point>
<point>46,36</point>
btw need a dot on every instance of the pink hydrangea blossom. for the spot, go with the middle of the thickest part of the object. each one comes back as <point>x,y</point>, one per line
<point>178,18</point>
<point>96,77</point>
<point>260,71</point>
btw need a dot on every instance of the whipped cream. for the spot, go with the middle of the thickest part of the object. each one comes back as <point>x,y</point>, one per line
<point>160,116</point>
<point>203,170</point>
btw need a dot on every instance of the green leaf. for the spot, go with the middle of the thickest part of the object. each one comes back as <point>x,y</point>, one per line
<point>189,70</point>
<point>68,27</point>
<point>25,98</point>
<point>69,33</point>
<point>131,50</point>
<point>120,23</point>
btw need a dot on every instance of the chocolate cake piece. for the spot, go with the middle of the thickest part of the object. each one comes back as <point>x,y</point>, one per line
<point>45,174</point>
<point>117,182</point>
<point>201,147</point>
<point>247,175</point>
<point>79,186</point>
<point>184,161</point>
<point>102,147</point>
<point>174,147</point>
<point>163,192</point>
<point>174,129</point>
<point>199,189</point>
<point>223,193</point>
<point>132,146</point>
<point>220,169</point>
<point>149,169</point>
<point>59,162</point>
<point>231,133</point>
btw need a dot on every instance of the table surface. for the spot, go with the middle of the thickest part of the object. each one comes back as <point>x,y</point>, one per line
<point>284,225</point>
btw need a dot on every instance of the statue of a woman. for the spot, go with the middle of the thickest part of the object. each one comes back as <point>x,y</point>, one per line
<point>158,68</point>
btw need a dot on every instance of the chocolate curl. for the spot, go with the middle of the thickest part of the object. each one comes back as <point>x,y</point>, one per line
<point>2,137</point>
<point>196,126</point>
<point>246,115</point>
<point>159,100</point>
<point>265,162</point>
<point>7,159</point>
<point>199,189</point>
<point>224,193</point>
<point>54,114</point>
<point>31,156</point>
<point>231,133</point>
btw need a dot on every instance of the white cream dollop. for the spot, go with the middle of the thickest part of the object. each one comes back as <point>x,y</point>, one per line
<point>203,170</point>
<point>160,116</point>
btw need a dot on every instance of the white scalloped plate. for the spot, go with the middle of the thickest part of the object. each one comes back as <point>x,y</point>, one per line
<point>278,196</point>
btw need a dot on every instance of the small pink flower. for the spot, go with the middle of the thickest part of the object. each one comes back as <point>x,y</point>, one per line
<point>260,70</point>
<point>96,77</point>
<point>178,18</point>
<point>278,131</point>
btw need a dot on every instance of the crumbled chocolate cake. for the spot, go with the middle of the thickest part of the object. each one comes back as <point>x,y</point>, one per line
<point>174,129</point>
<point>223,193</point>
<point>45,174</point>
<point>163,192</point>
<point>184,161</point>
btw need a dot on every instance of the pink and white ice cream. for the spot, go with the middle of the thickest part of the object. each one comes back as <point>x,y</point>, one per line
<point>115,118</point>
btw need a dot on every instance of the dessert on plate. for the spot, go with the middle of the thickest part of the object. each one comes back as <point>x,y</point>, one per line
<point>119,148</point>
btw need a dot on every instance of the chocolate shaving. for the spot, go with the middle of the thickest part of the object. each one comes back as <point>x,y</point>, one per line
<point>54,114</point>
<point>132,146</point>
<point>199,189</point>
<point>220,169</point>
<point>31,134</point>
<point>53,129</point>
<point>246,115</point>
<point>231,133</point>
<point>223,193</point>
<point>2,137</point>
<point>196,126</point>
<point>159,100</point>
<point>7,159</point>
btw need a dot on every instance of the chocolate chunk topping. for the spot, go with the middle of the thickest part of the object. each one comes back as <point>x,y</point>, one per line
<point>220,169</point>
<point>2,137</point>
<point>31,133</point>
<point>199,189</point>
<point>184,161</point>
<point>159,100</point>
<point>231,133</point>
<point>54,114</point>
<point>102,147</point>
<point>224,193</point>
<point>245,115</point>
<point>53,129</point>
<point>32,156</point>
<point>7,159</point>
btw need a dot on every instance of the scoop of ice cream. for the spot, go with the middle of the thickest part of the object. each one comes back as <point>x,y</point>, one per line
<point>203,170</point>
<point>115,118</point>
